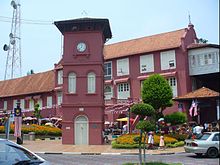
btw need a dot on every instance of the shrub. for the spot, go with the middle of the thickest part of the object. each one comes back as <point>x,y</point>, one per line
<point>142,109</point>
<point>179,137</point>
<point>39,130</point>
<point>176,118</point>
<point>177,144</point>
<point>146,126</point>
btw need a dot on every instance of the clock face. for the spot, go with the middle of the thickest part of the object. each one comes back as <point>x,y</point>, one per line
<point>81,47</point>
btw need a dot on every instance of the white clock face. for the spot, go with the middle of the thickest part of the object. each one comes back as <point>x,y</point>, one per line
<point>81,47</point>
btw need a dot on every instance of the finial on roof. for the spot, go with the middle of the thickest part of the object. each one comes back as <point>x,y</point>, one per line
<point>189,19</point>
<point>190,23</point>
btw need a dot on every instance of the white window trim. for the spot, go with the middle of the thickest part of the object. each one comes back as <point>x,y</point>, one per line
<point>22,104</point>
<point>5,105</point>
<point>59,98</point>
<point>123,67</point>
<point>122,93</point>
<point>107,75</point>
<point>72,82</point>
<point>108,95</point>
<point>165,59</point>
<point>40,102</point>
<point>49,101</point>
<point>31,104</point>
<point>172,80</point>
<point>60,77</point>
<point>146,63</point>
<point>91,82</point>
<point>14,104</point>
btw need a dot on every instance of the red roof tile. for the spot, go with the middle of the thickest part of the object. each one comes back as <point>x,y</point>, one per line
<point>35,83</point>
<point>146,44</point>
<point>199,93</point>
<point>44,82</point>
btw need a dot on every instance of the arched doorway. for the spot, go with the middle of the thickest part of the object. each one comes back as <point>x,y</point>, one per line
<point>81,130</point>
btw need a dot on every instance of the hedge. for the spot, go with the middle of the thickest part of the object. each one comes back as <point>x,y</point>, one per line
<point>38,129</point>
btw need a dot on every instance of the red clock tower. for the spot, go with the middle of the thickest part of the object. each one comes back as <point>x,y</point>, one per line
<point>83,79</point>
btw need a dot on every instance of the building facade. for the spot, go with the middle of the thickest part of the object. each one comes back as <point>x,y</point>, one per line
<point>93,82</point>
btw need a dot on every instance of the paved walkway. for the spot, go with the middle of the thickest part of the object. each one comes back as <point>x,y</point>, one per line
<point>56,147</point>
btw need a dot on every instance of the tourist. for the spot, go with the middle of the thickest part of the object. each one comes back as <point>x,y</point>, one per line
<point>162,144</point>
<point>150,140</point>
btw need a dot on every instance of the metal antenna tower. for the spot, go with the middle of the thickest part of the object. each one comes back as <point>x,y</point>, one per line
<point>13,61</point>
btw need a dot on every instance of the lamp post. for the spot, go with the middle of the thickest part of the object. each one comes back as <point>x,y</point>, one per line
<point>130,101</point>
<point>129,114</point>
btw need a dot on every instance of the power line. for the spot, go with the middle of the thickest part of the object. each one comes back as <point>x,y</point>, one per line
<point>27,21</point>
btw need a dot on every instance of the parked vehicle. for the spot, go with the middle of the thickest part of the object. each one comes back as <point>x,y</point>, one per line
<point>207,144</point>
<point>14,154</point>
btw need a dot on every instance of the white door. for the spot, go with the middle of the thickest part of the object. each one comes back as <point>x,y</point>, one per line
<point>81,130</point>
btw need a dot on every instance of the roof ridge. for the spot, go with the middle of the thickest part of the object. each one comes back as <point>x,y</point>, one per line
<point>26,76</point>
<point>158,34</point>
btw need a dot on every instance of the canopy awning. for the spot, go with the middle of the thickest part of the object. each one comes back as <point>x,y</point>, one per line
<point>124,119</point>
<point>201,93</point>
<point>121,80</point>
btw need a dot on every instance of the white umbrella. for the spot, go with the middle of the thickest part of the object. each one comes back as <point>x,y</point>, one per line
<point>56,118</point>
<point>161,119</point>
<point>107,122</point>
<point>49,124</point>
<point>29,118</point>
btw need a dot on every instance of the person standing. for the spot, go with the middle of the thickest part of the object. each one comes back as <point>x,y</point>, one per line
<point>150,140</point>
<point>7,126</point>
<point>162,144</point>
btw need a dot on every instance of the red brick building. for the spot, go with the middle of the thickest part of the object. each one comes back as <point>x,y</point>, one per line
<point>93,82</point>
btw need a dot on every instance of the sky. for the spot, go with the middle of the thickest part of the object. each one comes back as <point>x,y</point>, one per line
<point>41,42</point>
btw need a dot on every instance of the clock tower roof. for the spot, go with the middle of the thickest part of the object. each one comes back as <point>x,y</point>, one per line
<point>85,24</point>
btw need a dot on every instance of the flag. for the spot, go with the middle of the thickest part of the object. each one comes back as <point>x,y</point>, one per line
<point>194,106</point>
<point>18,125</point>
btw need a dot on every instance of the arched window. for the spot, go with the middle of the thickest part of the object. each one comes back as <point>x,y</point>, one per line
<point>72,82</point>
<point>91,82</point>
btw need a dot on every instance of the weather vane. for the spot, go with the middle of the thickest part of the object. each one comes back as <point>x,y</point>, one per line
<point>84,13</point>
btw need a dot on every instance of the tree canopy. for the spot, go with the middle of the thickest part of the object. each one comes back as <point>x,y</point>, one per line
<point>157,92</point>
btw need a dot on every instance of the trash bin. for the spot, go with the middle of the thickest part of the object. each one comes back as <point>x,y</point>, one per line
<point>20,139</point>
<point>32,136</point>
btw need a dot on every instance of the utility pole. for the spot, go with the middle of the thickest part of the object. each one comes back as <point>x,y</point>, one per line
<point>13,60</point>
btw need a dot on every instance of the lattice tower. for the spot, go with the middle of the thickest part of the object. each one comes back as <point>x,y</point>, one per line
<point>13,60</point>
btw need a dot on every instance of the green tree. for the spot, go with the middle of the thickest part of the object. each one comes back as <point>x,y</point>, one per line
<point>203,41</point>
<point>36,112</point>
<point>144,111</point>
<point>157,92</point>
<point>176,118</point>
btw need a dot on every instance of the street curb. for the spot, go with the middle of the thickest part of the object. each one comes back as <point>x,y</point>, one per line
<point>51,138</point>
<point>98,153</point>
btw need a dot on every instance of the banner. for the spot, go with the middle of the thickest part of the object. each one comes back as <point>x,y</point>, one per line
<point>18,125</point>
<point>193,111</point>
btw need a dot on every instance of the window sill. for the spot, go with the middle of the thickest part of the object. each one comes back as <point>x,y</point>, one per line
<point>71,94</point>
<point>91,94</point>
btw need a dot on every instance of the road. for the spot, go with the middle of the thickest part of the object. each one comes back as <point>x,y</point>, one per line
<point>71,159</point>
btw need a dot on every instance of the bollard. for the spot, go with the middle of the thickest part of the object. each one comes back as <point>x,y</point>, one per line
<point>32,136</point>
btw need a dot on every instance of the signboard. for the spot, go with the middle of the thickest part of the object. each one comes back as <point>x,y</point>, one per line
<point>17,112</point>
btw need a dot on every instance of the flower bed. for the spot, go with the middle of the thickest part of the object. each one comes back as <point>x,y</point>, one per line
<point>38,129</point>
<point>127,141</point>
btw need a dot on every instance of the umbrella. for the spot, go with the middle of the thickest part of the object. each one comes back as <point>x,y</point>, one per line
<point>161,119</point>
<point>124,119</point>
<point>56,118</point>
<point>45,119</point>
<point>29,118</point>
<point>49,124</point>
<point>107,122</point>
